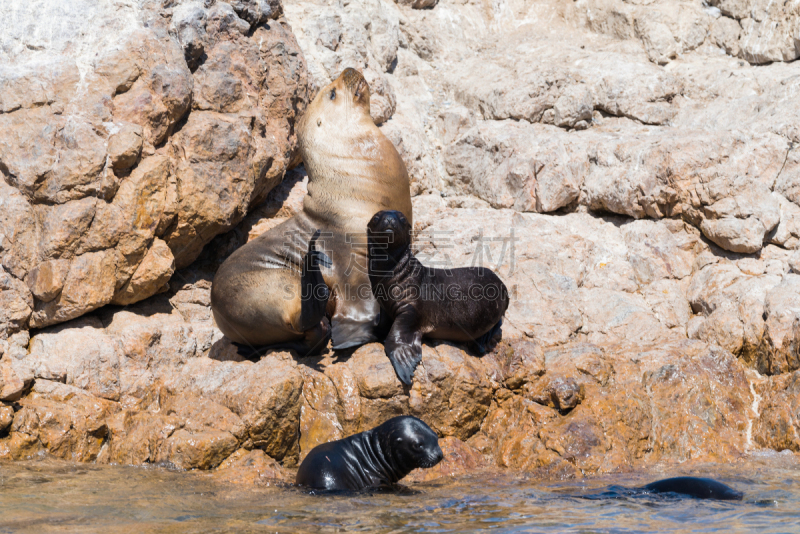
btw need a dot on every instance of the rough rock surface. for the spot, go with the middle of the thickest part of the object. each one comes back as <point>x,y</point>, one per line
<point>130,135</point>
<point>625,167</point>
<point>596,371</point>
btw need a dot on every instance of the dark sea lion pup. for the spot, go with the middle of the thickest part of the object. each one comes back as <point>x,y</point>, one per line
<point>376,458</point>
<point>699,488</point>
<point>462,305</point>
<point>694,487</point>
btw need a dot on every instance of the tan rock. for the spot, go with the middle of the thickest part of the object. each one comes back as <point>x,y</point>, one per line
<point>137,437</point>
<point>516,363</point>
<point>780,349</point>
<point>251,468</point>
<point>459,459</point>
<point>319,417</point>
<point>67,422</point>
<point>15,379</point>
<point>125,146</point>
<point>6,417</point>
<point>197,450</point>
<point>540,174</point>
<point>151,276</point>
<point>19,446</point>
<point>47,278</point>
<point>66,130</point>
<point>82,357</point>
<point>775,426</point>
<point>725,33</point>
<point>374,373</point>
<point>88,285</point>
<point>265,395</point>
<point>64,225</point>
<point>15,305</point>
<point>418,4</point>
<point>622,429</point>
<point>658,41</point>
<point>611,18</point>
<point>737,235</point>
<point>574,105</point>
<point>19,230</point>
<point>773,38</point>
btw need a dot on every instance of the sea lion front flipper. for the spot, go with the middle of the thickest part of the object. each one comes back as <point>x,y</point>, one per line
<point>314,293</point>
<point>403,345</point>
<point>353,324</point>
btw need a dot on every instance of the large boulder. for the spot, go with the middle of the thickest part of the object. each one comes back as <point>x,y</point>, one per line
<point>131,135</point>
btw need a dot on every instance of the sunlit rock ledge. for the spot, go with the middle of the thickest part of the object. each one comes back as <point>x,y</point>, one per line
<point>596,371</point>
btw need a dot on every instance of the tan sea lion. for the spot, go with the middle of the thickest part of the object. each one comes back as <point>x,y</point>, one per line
<point>353,171</point>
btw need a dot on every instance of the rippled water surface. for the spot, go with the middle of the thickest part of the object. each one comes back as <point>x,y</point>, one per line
<point>48,496</point>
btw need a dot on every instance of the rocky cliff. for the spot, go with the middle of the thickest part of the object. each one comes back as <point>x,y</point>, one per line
<point>629,168</point>
<point>131,133</point>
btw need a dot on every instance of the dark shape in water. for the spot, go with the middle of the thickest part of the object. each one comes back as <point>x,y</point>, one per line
<point>697,487</point>
<point>694,487</point>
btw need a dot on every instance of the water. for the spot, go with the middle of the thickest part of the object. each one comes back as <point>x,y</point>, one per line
<point>48,496</point>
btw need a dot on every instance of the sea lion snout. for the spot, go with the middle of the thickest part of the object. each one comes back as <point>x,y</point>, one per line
<point>391,221</point>
<point>434,457</point>
<point>352,78</point>
<point>356,84</point>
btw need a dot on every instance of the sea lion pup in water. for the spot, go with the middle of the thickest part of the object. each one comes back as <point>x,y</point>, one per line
<point>697,487</point>
<point>462,305</point>
<point>376,458</point>
<point>258,296</point>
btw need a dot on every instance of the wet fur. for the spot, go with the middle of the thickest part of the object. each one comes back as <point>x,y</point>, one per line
<point>376,458</point>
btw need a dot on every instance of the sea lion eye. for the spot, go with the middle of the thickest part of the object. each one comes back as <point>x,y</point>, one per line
<point>333,94</point>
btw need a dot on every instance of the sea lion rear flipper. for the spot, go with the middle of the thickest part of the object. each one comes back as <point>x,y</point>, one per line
<point>403,345</point>
<point>314,296</point>
<point>314,343</point>
<point>485,341</point>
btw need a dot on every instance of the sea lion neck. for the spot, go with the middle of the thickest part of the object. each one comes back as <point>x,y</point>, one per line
<point>352,177</point>
<point>375,464</point>
<point>391,463</point>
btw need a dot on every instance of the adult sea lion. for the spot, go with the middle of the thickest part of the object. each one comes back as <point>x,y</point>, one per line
<point>353,171</point>
<point>463,305</point>
<point>376,458</point>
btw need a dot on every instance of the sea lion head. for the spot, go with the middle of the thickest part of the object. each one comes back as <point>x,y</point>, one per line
<point>390,230</point>
<point>409,443</point>
<point>342,102</point>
